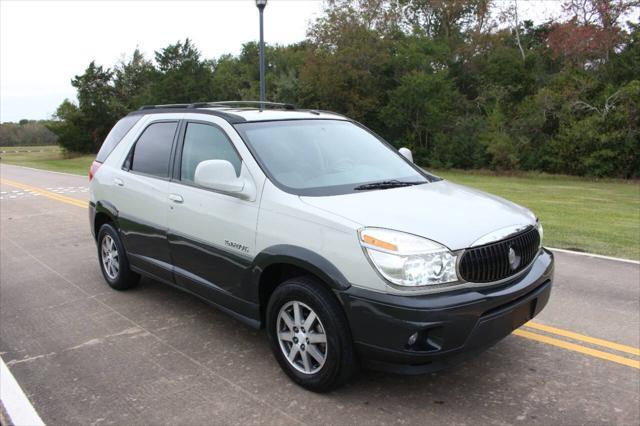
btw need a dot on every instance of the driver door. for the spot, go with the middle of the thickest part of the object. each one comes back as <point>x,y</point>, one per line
<point>211,234</point>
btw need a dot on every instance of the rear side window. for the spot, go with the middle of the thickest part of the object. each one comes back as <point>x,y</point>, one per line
<point>205,142</point>
<point>116,134</point>
<point>152,151</point>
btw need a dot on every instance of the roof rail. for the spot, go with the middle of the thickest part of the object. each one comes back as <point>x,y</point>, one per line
<point>221,104</point>
<point>246,103</point>
<point>143,107</point>
<point>182,108</point>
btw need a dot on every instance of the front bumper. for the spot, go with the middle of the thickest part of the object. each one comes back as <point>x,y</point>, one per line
<point>451,326</point>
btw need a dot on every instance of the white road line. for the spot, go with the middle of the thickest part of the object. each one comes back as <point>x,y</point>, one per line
<point>599,256</point>
<point>15,402</point>
<point>47,171</point>
<point>579,253</point>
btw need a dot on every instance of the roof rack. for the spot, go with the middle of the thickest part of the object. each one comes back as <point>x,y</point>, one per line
<point>143,107</point>
<point>146,109</point>
<point>246,103</point>
<point>214,104</point>
<point>229,110</point>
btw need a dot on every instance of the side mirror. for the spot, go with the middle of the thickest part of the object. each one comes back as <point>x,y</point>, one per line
<point>218,175</point>
<point>406,153</point>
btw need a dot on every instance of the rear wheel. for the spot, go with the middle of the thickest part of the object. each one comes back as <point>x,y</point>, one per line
<point>113,259</point>
<point>309,335</point>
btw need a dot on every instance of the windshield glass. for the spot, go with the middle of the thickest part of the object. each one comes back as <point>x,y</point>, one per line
<point>326,157</point>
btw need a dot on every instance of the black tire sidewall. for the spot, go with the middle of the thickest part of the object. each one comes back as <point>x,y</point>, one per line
<point>339,347</point>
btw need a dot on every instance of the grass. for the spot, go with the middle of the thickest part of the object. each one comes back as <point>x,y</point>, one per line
<point>578,214</point>
<point>597,216</point>
<point>47,158</point>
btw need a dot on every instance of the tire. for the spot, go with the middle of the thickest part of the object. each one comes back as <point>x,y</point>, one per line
<point>338,362</point>
<point>115,269</point>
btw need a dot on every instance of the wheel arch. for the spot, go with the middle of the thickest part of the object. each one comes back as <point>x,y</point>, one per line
<point>104,212</point>
<point>276,264</point>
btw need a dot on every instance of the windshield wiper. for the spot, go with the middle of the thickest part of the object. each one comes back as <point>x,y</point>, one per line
<point>385,184</point>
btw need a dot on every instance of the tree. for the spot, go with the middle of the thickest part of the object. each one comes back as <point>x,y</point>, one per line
<point>83,127</point>
<point>498,142</point>
<point>593,31</point>
<point>70,128</point>
<point>625,65</point>
<point>347,68</point>
<point>511,15</point>
<point>132,81</point>
<point>421,107</point>
<point>448,19</point>
<point>438,76</point>
<point>182,75</point>
<point>26,133</point>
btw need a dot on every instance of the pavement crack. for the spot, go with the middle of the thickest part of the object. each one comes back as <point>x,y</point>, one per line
<point>127,332</point>
<point>28,359</point>
<point>158,338</point>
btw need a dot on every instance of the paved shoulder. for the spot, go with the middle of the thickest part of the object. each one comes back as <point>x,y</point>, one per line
<point>594,296</point>
<point>21,182</point>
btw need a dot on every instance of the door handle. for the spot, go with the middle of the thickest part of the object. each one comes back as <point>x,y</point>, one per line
<point>176,198</point>
<point>118,181</point>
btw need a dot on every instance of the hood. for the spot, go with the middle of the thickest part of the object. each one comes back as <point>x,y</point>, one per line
<point>451,214</point>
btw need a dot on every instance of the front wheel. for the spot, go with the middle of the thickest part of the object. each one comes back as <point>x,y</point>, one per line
<point>309,335</point>
<point>113,259</point>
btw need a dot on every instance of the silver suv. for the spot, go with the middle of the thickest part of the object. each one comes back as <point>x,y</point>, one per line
<point>308,224</point>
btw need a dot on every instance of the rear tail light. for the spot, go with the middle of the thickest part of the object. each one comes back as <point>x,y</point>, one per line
<point>94,169</point>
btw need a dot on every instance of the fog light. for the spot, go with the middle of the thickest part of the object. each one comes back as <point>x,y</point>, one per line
<point>412,339</point>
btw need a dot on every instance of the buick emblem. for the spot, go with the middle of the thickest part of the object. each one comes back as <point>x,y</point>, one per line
<point>514,259</point>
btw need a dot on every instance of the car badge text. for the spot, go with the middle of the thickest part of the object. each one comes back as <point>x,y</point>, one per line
<point>237,246</point>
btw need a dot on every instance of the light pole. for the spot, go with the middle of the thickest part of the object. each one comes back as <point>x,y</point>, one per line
<point>261,4</point>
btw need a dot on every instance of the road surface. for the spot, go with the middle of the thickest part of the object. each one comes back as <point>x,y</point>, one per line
<point>85,354</point>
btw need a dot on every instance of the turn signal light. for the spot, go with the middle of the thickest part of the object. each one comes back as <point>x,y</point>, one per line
<point>378,243</point>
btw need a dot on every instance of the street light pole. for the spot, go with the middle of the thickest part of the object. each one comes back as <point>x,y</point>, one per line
<point>261,4</point>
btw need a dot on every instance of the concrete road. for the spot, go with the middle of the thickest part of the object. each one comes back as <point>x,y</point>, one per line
<point>85,354</point>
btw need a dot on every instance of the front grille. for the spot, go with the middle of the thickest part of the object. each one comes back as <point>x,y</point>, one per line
<point>492,262</point>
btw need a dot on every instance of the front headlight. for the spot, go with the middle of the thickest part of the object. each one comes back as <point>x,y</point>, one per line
<point>408,260</point>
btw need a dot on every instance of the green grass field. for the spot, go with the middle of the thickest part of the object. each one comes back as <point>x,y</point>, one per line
<point>579,214</point>
<point>49,158</point>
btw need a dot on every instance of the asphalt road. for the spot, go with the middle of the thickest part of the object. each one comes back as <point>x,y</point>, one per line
<point>85,354</point>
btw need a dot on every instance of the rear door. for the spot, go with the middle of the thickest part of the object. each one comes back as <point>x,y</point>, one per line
<point>141,197</point>
<point>211,234</point>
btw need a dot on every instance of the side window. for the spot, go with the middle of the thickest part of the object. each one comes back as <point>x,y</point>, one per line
<point>204,142</point>
<point>152,151</point>
<point>116,134</point>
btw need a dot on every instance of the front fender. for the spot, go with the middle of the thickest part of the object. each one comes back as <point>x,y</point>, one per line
<point>302,258</point>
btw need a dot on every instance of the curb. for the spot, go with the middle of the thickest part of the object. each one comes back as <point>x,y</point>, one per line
<point>577,253</point>
<point>15,402</point>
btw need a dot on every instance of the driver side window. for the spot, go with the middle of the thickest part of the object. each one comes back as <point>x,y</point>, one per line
<point>205,142</point>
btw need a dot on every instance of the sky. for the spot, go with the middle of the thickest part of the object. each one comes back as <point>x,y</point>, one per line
<point>44,44</point>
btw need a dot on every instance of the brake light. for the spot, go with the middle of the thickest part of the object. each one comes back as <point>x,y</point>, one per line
<point>94,169</point>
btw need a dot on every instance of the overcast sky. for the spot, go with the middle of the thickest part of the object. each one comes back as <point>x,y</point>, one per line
<point>43,44</point>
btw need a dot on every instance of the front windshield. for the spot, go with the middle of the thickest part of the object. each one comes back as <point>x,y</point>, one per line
<point>325,157</point>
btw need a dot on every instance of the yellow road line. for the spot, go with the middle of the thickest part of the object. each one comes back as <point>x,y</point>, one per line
<point>582,337</point>
<point>48,194</point>
<point>578,348</point>
<point>522,333</point>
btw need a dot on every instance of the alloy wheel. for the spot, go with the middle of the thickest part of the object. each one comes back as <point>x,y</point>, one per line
<point>302,337</point>
<point>110,257</point>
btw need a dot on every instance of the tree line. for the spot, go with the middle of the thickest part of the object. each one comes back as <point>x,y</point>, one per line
<point>27,133</point>
<point>460,84</point>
